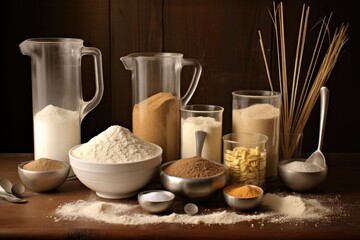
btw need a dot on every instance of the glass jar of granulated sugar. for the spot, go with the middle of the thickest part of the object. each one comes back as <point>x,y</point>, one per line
<point>258,111</point>
<point>205,118</point>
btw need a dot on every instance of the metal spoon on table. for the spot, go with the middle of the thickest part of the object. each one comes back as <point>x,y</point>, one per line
<point>12,198</point>
<point>318,157</point>
<point>17,189</point>
<point>12,193</point>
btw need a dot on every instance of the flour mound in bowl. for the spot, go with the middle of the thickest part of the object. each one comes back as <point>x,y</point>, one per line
<point>115,145</point>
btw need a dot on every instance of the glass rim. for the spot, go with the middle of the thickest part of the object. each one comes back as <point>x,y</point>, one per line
<point>201,108</point>
<point>55,40</point>
<point>156,55</point>
<point>256,94</point>
<point>260,137</point>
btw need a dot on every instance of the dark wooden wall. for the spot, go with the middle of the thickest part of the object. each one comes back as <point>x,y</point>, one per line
<point>222,35</point>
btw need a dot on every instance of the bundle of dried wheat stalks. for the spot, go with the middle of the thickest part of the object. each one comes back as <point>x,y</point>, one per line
<point>300,95</point>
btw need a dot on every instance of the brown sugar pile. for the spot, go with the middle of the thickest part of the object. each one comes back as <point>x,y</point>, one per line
<point>243,191</point>
<point>157,120</point>
<point>43,164</point>
<point>194,167</point>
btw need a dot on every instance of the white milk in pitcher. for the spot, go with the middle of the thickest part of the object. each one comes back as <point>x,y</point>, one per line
<point>56,130</point>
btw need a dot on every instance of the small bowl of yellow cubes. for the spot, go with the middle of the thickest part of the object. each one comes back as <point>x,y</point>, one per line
<point>245,157</point>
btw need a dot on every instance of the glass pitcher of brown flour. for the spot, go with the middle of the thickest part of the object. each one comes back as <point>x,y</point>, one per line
<point>157,99</point>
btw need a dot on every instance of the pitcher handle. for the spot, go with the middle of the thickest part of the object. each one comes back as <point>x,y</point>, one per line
<point>195,79</point>
<point>87,106</point>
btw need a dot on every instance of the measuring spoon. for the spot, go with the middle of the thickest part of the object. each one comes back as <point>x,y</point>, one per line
<point>318,157</point>
<point>18,189</point>
<point>12,193</point>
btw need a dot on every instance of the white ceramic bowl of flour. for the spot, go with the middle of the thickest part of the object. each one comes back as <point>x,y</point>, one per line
<point>115,164</point>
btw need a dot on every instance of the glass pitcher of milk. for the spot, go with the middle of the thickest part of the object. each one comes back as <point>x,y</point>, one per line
<point>58,105</point>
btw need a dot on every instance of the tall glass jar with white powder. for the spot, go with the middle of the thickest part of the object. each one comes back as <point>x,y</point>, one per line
<point>258,111</point>
<point>205,118</point>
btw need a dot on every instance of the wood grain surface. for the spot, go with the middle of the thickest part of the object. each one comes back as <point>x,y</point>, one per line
<point>35,219</point>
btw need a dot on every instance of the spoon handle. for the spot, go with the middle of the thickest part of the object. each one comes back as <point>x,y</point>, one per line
<point>200,138</point>
<point>12,198</point>
<point>324,101</point>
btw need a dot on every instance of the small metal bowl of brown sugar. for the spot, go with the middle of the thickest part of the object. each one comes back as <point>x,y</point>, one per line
<point>243,197</point>
<point>43,174</point>
<point>193,178</point>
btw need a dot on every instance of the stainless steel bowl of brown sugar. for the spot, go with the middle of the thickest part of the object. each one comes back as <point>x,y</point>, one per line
<point>301,176</point>
<point>193,178</point>
<point>43,175</point>
<point>243,197</point>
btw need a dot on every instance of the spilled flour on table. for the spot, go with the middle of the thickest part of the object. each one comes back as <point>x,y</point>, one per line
<point>275,208</point>
<point>295,206</point>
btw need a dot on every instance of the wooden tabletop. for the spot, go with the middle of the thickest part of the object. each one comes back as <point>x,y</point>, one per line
<point>35,219</point>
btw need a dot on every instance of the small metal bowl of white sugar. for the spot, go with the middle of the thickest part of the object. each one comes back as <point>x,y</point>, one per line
<point>300,176</point>
<point>156,201</point>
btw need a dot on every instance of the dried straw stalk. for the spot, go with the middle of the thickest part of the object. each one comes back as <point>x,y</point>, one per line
<point>299,97</point>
